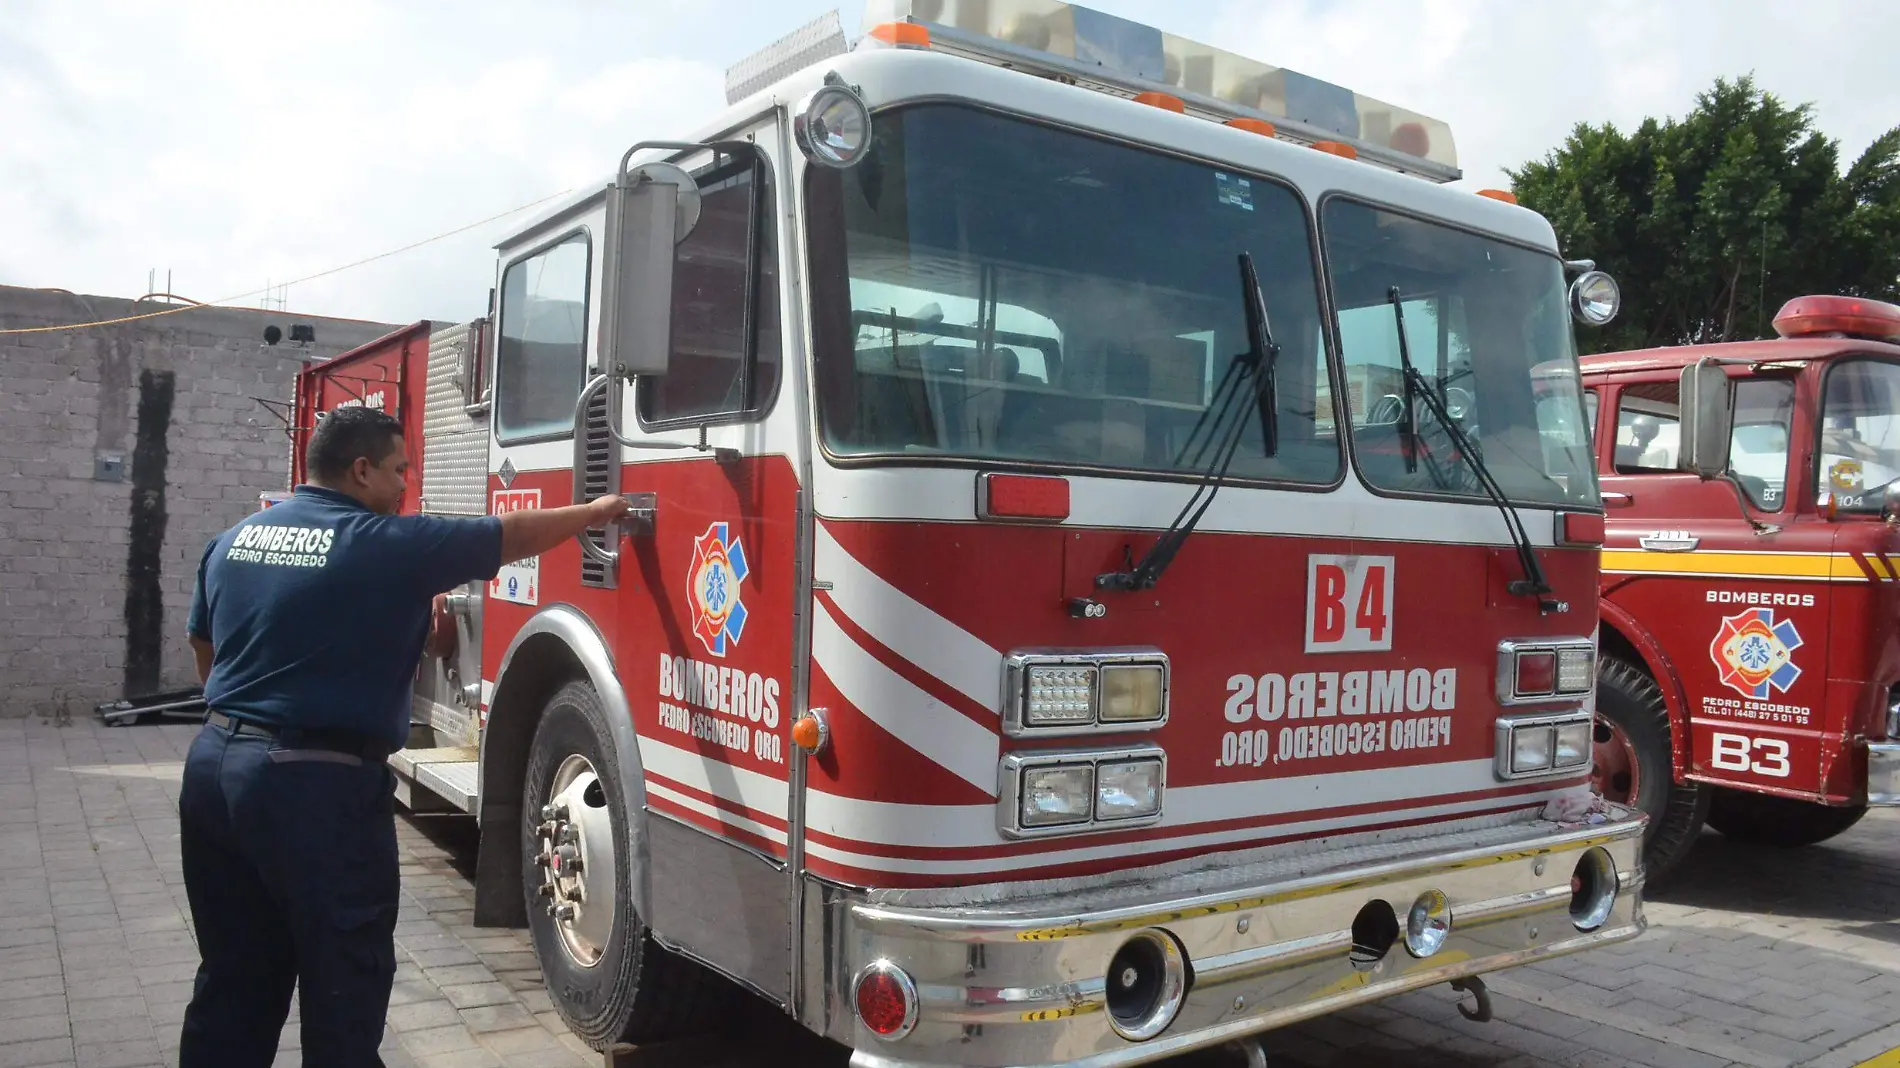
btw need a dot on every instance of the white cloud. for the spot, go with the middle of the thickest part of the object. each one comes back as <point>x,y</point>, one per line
<point>234,142</point>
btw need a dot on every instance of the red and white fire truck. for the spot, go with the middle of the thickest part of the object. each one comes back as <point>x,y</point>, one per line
<point>1750,672</point>
<point>1106,581</point>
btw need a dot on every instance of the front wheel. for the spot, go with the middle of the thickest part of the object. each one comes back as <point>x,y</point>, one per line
<point>605,975</point>
<point>1778,821</point>
<point>1633,765</point>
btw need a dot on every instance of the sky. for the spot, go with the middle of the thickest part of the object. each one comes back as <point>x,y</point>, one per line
<point>234,144</point>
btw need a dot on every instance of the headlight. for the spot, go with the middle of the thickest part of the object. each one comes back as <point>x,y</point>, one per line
<point>1428,925</point>
<point>1059,695</point>
<point>1131,693</point>
<point>1529,746</point>
<point>1043,792</point>
<point>1530,749</point>
<point>1595,298</point>
<point>1057,795</point>
<point>1127,790</point>
<point>1573,745</point>
<point>833,129</point>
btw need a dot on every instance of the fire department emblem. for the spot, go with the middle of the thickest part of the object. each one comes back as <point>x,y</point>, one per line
<point>1754,653</point>
<point>719,567</point>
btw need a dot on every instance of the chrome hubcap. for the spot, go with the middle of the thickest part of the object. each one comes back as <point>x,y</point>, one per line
<point>576,840</point>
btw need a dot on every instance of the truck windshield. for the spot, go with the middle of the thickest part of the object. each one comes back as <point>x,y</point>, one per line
<point>1860,433</point>
<point>990,288</point>
<point>1486,324</point>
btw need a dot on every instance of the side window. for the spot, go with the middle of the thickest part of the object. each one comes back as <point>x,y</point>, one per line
<point>1648,428</point>
<point>1590,414</point>
<point>1758,447</point>
<point>725,355</point>
<point>541,347</point>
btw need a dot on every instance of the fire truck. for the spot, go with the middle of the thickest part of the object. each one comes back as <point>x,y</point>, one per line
<point>1105,580</point>
<point>1750,675</point>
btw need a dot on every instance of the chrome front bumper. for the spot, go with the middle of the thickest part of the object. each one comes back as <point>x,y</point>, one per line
<point>1268,940</point>
<point>1883,773</point>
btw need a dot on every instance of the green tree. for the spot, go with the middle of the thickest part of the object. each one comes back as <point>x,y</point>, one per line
<point>1709,222</point>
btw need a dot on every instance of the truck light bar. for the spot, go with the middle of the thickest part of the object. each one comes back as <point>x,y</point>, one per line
<point>1124,58</point>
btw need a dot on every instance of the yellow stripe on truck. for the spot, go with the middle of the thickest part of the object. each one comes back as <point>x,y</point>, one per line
<point>1803,567</point>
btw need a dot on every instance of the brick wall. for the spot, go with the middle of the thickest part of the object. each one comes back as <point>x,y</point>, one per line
<point>96,564</point>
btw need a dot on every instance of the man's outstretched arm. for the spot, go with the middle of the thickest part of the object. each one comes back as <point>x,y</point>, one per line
<point>533,531</point>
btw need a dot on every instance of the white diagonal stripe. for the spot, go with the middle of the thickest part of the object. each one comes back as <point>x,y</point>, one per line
<point>941,733</point>
<point>939,647</point>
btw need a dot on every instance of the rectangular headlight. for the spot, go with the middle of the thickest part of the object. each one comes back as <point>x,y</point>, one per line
<point>1576,666</point>
<point>1127,789</point>
<point>1053,796</point>
<point>1573,745</point>
<point>1059,695</point>
<point>1131,693</point>
<point>1530,748</point>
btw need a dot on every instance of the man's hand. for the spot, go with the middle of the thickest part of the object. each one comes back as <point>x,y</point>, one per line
<point>533,531</point>
<point>608,508</point>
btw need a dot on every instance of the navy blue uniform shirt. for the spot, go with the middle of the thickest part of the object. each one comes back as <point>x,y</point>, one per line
<point>317,609</point>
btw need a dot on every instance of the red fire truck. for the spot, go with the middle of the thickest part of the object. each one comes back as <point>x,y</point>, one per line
<point>1750,673</point>
<point>1069,617</point>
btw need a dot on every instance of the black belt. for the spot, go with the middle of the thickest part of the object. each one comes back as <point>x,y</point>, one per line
<point>325,738</point>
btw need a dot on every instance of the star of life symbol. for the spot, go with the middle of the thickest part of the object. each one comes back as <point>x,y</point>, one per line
<point>719,567</point>
<point>1754,653</point>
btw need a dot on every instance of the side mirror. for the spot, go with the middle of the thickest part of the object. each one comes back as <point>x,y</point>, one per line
<point>1708,418</point>
<point>650,209</point>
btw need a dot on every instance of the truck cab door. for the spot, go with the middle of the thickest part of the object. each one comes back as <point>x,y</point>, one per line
<point>1725,577</point>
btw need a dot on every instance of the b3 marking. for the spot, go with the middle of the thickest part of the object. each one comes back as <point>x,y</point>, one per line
<point>1739,752</point>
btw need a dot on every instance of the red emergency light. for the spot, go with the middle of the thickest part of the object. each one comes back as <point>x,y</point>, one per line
<point>1852,316</point>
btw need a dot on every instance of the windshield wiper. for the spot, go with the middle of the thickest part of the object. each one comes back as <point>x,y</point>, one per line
<point>1254,367</point>
<point>1534,583</point>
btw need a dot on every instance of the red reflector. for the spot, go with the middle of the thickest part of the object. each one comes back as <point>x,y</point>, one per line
<point>1023,497</point>
<point>1580,528</point>
<point>1536,673</point>
<point>883,1002</point>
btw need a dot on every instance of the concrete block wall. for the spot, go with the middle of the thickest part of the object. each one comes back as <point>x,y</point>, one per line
<point>96,574</point>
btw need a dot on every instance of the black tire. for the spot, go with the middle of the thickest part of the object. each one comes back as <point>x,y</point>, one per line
<point>1630,699</point>
<point>1781,822</point>
<point>637,991</point>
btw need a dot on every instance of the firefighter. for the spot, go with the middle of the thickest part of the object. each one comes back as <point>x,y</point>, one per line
<point>307,623</point>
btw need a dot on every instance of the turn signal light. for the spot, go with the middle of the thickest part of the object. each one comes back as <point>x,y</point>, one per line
<point>1499,194</point>
<point>809,731</point>
<point>1337,148</point>
<point>902,34</point>
<point>1259,126</point>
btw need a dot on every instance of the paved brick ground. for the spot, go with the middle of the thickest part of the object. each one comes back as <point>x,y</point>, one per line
<point>1757,959</point>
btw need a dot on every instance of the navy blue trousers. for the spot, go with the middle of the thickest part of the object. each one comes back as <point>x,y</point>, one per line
<point>290,865</point>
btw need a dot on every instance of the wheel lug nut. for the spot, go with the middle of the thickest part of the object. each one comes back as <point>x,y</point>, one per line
<point>553,812</point>
<point>545,860</point>
<point>544,890</point>
<point>564,912</point>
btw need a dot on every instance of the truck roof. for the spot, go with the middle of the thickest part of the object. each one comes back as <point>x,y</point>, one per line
<point>1676,357</point>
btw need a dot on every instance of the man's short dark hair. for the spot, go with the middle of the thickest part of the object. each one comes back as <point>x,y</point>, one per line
<point>345,434</point>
